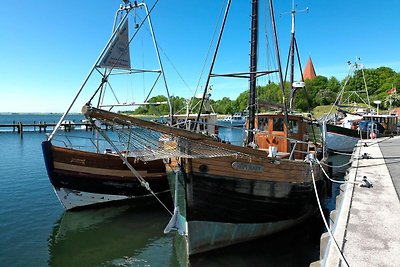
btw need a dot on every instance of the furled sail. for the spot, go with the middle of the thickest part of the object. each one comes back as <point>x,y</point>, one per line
<point>117,55</point>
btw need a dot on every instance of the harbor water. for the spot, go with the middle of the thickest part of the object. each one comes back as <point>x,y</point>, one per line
<point>36,231</point>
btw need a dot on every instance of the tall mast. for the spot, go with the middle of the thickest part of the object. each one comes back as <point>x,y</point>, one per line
<point>292,89</point>
<point>293,46</point>
<point>253,69</point>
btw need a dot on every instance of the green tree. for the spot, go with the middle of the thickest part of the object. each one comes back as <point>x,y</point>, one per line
<point>161,109</point>
<point>319,91</point>
<point>223,106</point>
<point>241,101</point>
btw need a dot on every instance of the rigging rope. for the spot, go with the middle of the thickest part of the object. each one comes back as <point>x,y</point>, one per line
<point>142,181</point>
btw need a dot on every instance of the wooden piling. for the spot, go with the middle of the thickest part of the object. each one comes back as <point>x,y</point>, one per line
<point>41,126</point>
<point>20,129</point>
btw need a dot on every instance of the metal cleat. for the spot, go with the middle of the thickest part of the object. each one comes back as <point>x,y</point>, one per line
<point>365,183</point>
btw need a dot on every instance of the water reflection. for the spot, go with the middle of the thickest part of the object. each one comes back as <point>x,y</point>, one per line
<point>113,236</point>
<point>298,246</point>
<point>128,235</point>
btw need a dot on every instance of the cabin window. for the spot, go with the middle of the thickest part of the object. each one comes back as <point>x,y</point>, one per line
<point>263,124</point>
<point>294,126</point>
<point>278,124</point>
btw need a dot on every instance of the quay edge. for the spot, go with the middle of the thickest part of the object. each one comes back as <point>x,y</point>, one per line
<point>365,219</point>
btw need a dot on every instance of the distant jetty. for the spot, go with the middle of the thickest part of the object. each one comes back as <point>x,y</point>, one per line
<point>43,126</point>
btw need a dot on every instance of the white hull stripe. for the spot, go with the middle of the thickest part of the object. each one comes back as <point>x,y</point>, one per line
<point>73,198</point>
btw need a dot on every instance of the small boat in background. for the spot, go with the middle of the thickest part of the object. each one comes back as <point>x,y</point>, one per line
<point>340,132</point>
<point>238,119</point>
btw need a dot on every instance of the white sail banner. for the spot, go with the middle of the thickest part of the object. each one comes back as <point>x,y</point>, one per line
<point>117,55</point>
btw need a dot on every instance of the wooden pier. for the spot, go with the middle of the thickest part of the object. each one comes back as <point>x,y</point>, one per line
<point>42,126</point>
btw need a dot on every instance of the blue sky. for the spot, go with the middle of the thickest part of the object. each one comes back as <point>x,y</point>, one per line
<point>48,47</point>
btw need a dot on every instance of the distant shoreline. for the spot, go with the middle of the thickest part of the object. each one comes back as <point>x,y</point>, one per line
<point>219,116</point>
<point>36,113</point>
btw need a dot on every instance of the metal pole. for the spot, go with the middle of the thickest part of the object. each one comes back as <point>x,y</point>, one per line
<point>159,61</point>
<point>87,78</point>
<point>212,62</point>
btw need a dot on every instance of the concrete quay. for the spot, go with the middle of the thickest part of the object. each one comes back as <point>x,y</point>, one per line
<point>366,221</point>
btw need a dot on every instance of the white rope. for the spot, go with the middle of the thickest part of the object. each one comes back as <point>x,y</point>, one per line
<point>333,180</point>
<point>142,181</point>
<point>337,166</point>
<point>323,217</point>
<point>341,153</point>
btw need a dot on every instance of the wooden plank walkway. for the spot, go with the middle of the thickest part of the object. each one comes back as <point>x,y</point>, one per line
<point>366,220</point>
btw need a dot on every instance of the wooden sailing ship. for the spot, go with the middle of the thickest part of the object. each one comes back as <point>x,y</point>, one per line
<point>231,193</point>
<point>265,190</point>
<point>266,186</point>
<point>83,178</point>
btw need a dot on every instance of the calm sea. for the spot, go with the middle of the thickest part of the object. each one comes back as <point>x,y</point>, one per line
<point>36,231</point>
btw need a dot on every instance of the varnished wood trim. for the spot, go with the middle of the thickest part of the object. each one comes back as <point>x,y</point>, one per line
<point>106,172</point>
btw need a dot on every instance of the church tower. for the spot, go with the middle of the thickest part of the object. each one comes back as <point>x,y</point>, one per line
<point>309,71</point>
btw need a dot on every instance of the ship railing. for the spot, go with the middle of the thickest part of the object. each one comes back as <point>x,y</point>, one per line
<point>87,143</point>
<point>309,146</point>
<point>295,143</point>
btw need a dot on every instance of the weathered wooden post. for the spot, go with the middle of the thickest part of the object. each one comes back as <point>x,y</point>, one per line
<point>20,129</point>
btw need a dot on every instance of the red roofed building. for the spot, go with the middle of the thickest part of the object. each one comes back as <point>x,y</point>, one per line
<point>309,71</point>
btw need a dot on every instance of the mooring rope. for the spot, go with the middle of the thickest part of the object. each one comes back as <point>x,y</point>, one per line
<point>333,180</point>
<point>337,166</point>
<point>341,153</point>
<point>323,216</point>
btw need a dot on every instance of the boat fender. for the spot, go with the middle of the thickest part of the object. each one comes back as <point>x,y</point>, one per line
<point>372,135</point>
<point>272,151</point>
